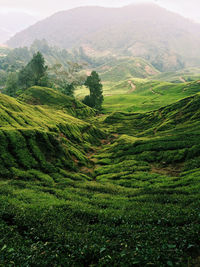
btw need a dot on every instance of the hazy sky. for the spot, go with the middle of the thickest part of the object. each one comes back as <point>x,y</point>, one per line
<point>43,8</point>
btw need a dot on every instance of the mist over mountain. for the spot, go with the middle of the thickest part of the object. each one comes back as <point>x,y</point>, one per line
<point>13,22</point>
<point>166,39</point>
<point>4,35</point>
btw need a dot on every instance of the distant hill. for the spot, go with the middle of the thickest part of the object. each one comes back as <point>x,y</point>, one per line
<point>164,38</point>
<point>124,68</point>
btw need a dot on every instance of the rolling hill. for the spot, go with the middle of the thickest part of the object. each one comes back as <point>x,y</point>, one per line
<point>48,97</point>
<point>165,39</point>
<point>121,188</point>
<point>32,134</point>
<point>142,95</point>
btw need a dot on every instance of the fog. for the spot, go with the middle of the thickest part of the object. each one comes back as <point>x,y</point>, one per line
<point>41,9</point>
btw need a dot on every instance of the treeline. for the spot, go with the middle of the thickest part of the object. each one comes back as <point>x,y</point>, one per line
<point>14,59</point>
<point>34,73</point>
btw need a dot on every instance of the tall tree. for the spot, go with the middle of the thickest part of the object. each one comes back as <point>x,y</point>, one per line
<point>34,73</point>
<point>95,99</point>
<point>38,67</point>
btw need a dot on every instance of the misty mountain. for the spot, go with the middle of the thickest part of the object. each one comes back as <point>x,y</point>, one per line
<point>165,39</point>
<point>13,22</point>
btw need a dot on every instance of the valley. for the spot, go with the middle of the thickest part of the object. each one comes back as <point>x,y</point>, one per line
<point>100,139</point>
<point>88,190</point>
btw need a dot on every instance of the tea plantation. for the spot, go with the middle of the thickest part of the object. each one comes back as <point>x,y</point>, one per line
<point>79,189</point>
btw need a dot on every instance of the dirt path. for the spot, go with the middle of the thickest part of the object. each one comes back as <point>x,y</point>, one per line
<point>182,79</point>
<point>89,170</point>
<point>133,87</point>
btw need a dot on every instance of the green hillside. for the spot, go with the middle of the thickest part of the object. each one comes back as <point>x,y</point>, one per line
<point>43,138</point>
<point>142,95</point>
<point>117,190</point>
<point>185,111</point>
<point>182,76</point>
<point>50,98</point>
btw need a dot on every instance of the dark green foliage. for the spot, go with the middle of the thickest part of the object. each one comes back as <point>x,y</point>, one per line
<point>3,78</point>
<point>34,73</point>
<point>17,58</point>
<point>95,99</point>
<point>11,84</point>
<point>68,89</point>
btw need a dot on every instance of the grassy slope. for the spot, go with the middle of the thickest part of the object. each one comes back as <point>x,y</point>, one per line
<point>43,138</point>
<point>54,99</point>
<point>157,154</point>
<point>139,205</point>
<point>148,95</point>
<point>187,75</point>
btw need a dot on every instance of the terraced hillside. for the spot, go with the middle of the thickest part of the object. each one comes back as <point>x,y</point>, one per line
<point>118,190</point>
<point>33,135</point>
<point>48,97</point>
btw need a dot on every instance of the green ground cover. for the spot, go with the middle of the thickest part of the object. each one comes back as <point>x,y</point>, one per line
<point>120,189</point>
<point>141,95</point>
<point>147,95</point>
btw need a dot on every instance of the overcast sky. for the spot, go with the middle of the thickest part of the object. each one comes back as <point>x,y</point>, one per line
<point>43,8</point>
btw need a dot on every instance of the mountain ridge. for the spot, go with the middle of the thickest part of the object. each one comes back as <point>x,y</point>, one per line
<point>147,31</point>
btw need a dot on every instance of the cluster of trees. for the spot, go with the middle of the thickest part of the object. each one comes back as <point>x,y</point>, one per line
<point>15,59</point>
<point>35,72</point>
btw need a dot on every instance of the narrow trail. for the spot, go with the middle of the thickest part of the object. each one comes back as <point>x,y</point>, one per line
<point>94,161</point>
<point>182,79</point>
<point>133,87</point>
